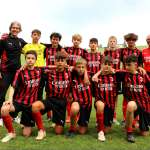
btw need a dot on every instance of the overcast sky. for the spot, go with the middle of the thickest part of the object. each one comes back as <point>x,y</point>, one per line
<point>90,18</point>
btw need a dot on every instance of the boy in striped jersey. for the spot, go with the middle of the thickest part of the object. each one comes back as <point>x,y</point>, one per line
<point>21,96</point>
<point>82,99</point>
<point>114,52</point>
<point>58,82</point>
<point>136,87</point>
<point>106,94</point>
<point>74,52</point>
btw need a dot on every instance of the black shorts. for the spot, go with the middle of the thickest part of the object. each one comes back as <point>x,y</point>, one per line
<point>108,116</point>
<point>119,88</point>
<point>26,116</point>
<point>144,119</point>
<point>58,107</point>
<point>84,115</point>
<point>93,89</point>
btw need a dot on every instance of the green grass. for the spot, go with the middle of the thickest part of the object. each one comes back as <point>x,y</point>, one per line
<point>115,140</point>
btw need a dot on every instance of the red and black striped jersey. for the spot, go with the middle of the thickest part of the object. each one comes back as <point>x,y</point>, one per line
<point>26,84</point>
<point>116,56</point>
<point>50,54</point>
<point>58,83</point>
<point>136,87</point>
<point>106,90</point>
<point>93,62</point>
<point>74,54</point>
<point>127,52</point>
<point>81,92</point>
<point>10,52</point>
<point>146,59</point>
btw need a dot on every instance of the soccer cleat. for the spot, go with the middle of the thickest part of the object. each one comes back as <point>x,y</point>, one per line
<point>8,137</point>
<point>41,135</point>
<point>101,136</point>
<point>130,138</point>
<point>1,122</point>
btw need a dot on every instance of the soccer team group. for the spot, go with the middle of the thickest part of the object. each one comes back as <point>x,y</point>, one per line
<point>71,77</point>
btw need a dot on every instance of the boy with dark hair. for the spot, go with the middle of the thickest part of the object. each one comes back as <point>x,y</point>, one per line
<point>22,94</point>
<point>136,92</point>
<point>57,89</point>
<point>93,57</point>
<point>131,49</point>
<point>38,47</point>
<point>53,48</point>
<point>106,94</point>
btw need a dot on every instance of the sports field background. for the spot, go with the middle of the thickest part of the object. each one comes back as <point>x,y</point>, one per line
<point>115,140</point>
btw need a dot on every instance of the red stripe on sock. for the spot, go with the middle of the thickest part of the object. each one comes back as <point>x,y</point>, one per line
<point>8,123</point>
<point>38,119</point>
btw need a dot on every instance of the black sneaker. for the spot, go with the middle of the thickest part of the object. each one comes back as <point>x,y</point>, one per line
<point>130,138</point>
<point>70,134</point>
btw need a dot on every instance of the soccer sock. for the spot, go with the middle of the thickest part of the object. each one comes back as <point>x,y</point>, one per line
<point>100,121</point>
<point>129,129</point>
<point>38,119</point>
<point>124,108</point>
<point>8,123</point>
<point>73,123</point>
<point>115,115</point>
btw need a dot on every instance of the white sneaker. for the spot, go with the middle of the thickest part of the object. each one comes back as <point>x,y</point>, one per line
<point>41,135</point>
<point>17,119</point>
<point>8,137</point>
<point>1,122</point>
<point>101,136</point>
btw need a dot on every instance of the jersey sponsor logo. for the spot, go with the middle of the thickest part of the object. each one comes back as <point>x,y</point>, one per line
<point>61,84</point>
<point>32,83</point>
<point>51,58</point>
<point>93,63</point>
<point>106,86</point>
<point>74,57</point>
<point>135,88</point>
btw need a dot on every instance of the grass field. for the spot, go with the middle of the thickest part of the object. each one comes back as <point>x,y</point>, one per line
<point>115,140</point>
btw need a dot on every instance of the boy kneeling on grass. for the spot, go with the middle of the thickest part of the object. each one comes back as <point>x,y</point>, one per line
<point>82,99</point>
<point>22,94</point>
<point>106,93</point>
<point>136,91</point>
